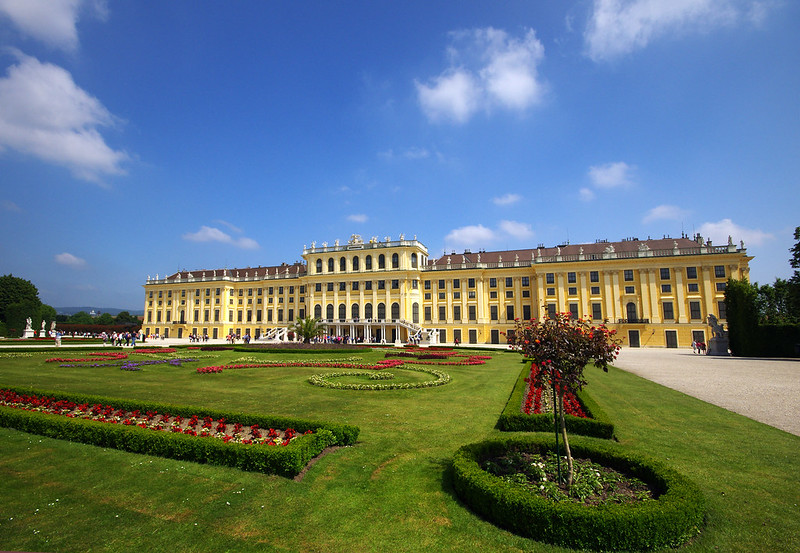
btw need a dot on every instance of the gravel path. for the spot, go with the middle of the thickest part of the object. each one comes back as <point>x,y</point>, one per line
<point>766,390</point>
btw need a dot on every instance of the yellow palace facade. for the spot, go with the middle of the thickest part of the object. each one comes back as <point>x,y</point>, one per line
<point>655,293</point>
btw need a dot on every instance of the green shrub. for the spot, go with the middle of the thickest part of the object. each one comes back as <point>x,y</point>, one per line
<point>283,460</point>
<point>512,419</point>
<point>674,517</point>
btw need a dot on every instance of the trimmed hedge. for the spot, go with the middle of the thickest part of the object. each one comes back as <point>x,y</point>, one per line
<point>512,419</point>
<point>283,460</point>
<point>673,518</point>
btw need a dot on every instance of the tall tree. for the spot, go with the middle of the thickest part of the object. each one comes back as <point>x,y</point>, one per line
<point>741,306</point>
<point>15,290</point>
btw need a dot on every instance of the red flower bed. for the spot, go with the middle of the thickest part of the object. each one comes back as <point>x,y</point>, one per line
<point>533,404</point>
<point>89,357</point>
<point>219,429</point>
<point>384,364</point>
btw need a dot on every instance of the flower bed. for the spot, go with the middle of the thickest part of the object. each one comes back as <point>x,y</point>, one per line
<point>513,419</point>
<point>384,364</point>
<point>181,432</point>
<point>673,517</point>
<point>324,380</point>
<point>537,400</point>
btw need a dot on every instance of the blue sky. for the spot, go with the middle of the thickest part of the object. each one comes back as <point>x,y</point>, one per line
<point>140,138</point>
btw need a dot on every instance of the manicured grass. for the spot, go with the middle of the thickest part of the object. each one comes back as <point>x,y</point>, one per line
<point>388,493</point>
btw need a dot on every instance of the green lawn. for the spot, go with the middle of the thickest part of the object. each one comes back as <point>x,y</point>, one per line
<point>388,493</point>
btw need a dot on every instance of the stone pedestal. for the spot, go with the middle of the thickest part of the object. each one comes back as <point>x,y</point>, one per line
<point>718,346</point>
<point>29,333</point>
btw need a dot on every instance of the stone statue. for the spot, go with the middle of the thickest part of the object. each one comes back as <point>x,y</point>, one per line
<point>43,323</point>
<point>28,323</point>
<point>609,248</point>
<point>717,331</point>
<point>52,326</point>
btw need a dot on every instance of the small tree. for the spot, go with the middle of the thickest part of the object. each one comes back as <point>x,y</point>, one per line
<point>308,328</point>
<point>561,348</point>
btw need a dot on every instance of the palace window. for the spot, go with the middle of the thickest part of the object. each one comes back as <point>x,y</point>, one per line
<point>693,287</point>
<point>595,290</point>
<point>572,278</point>
<point>594,276</point>
<point>509,282</point>
<point>669,312</point>
<point>694,310</point>
<point>630,289</point>
<point>719,271</point>
<point>368,263</point>
<point>550,278</point>
<point>627,275</point>
<point>395,261</point>
<point>666,288</point>
<point>664,273</point>
<point>691,272</point>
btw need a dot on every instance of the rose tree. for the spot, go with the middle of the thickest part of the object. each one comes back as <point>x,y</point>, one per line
<point>561,347</point>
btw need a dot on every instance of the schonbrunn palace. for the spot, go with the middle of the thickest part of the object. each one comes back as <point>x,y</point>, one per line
<point>655,293</point>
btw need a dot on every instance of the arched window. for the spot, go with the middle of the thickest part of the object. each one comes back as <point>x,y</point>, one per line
<point>368,263</point>
<point>381,311</point>
<point>381,261</point>
<point>415,313</point>
<point>342,311</point>
<point>330,264</point>
<point>414,260</point>
<point>354,311</point>
<point>395,311</point>
<point>368,311</point>
<point>342,265</point>
<point>318,311</point>
<point>395,261</point>
<point>319,265</point>
<point>329,312</point>
<point>631,309</point>
<point>355,263</point>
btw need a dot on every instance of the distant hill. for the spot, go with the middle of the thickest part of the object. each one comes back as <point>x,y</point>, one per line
<point>99,310</point>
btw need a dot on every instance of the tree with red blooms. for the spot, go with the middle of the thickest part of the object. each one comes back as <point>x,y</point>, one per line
<point>562,347</point>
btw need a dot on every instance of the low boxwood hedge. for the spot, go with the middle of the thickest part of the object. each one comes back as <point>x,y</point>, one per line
<point>674,517</point>
<point>512,419</point>
<point>283,460</point>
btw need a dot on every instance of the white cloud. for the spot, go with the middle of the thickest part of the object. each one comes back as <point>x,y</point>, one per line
<point>231,226</point>
<point>507,199</point>
<point>453,96</point>
<point>70,260</point>
<point>8,205</point>
<point>618,27</point>
<point>488,68</point>
<point>472,235</point>
<point>479,235</point>
<point>586,194</point>
<point>43,113</point>
<point>357,218</point>
<point>521,231</point>
<point>211,234</point>
<point>719,232</point>
<point>611,175</point>
<point>665,212</point>
<point>410,153</point>
<point>51,21</point>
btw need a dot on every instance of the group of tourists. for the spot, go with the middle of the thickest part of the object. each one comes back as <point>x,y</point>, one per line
<point>120,338</point>
<point>699,347</point>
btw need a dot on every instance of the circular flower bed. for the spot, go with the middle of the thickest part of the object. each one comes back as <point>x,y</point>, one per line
<point>326,380</point>
<point>671,518</point>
